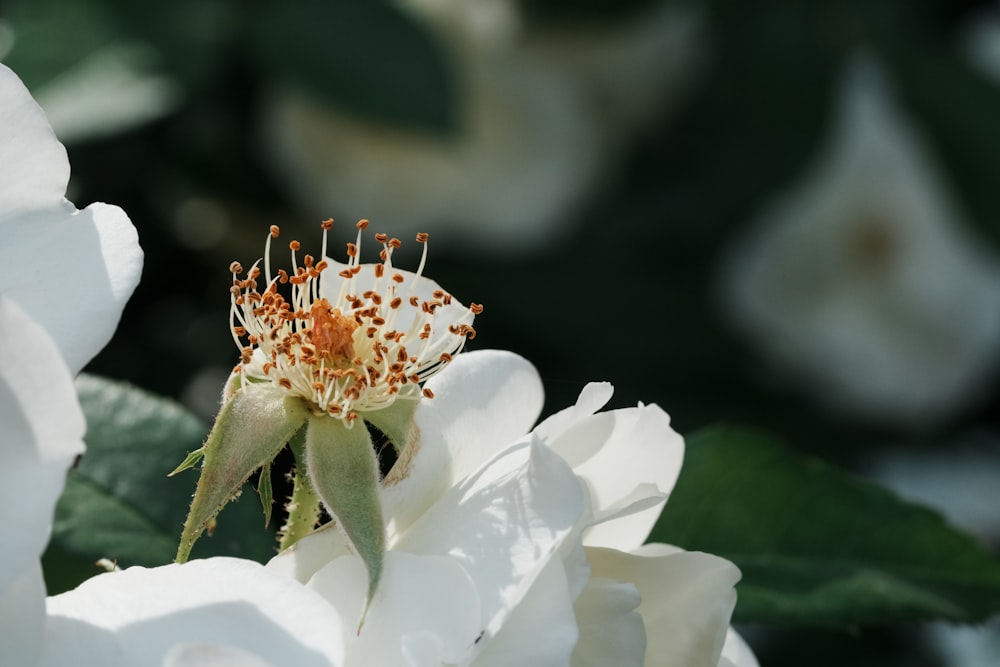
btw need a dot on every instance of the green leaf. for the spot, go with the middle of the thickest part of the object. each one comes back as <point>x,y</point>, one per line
<point>119,503</point>
<point>250,430</point>
<point>818,546</point>
<point>344,472</point>
<point>368,58</point>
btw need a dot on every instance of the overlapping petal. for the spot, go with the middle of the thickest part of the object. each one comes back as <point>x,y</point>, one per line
<point>71,271</point>
<point>428,600</point>
<point>145,616</point>
<point>503,523</point>
<point>629,460</point>
<point>38,450</point>
<point>687,600</point>
<point>513,508</point>
<point>482,402</point>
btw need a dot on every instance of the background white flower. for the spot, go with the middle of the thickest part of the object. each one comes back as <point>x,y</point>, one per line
<point>863,281</point>
<point>509,546</point>
<point>543,114</point>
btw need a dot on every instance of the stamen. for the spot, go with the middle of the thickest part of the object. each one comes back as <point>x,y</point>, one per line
<point>344,355</point>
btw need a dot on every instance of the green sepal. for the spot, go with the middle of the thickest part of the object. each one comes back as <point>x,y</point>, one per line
<point>265,492</point>
<point>302,510</point>
<point>250,430</point>
<point>344,471</point>
<point>396,421</point>
<point>189,462</point>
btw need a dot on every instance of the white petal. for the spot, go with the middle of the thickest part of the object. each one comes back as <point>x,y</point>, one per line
<point>43,431</point>
<point>91,258</point>
<point>34,170</point>
<point>611,630</point>
<point>630,460</point>
<point>135,617</point>
<point>211,655</point>
<point>335,287</point>
<point>503,524</point>
<point>593,397</point>
<point>736,653</point>
<point>304,558</point>
<point>483,401</point>
<point>418,595</point>
<point>541,630</point>
<point>422,649</point>
<point>687,600</point>
<point>96,262</point>
<point>22,617</point>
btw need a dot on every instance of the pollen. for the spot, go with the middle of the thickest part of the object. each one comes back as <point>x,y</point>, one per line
<point>348,338</point>
<point>331,333</point>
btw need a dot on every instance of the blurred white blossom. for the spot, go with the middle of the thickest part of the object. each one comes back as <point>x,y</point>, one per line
<point>544,114</point>
<point>511,545</point>
<point>112,90</point>
<point>863,280</point>
<point>982,40</point>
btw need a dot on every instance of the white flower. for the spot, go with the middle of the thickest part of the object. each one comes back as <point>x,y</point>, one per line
<point>863,280</point>
<point>351,338</point>
<point>71,271</point>
<point>509,545</point>
<point>350,342</point>
<point>200,614</point>
<point>543,114</point>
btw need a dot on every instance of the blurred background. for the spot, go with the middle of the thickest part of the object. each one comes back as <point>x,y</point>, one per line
<point>769,213</point>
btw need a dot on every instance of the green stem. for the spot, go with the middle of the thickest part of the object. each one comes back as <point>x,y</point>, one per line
<point>303,505</point>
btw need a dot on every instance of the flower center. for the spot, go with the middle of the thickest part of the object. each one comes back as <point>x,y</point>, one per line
<point>331,332</point>
<point>350,338</point>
